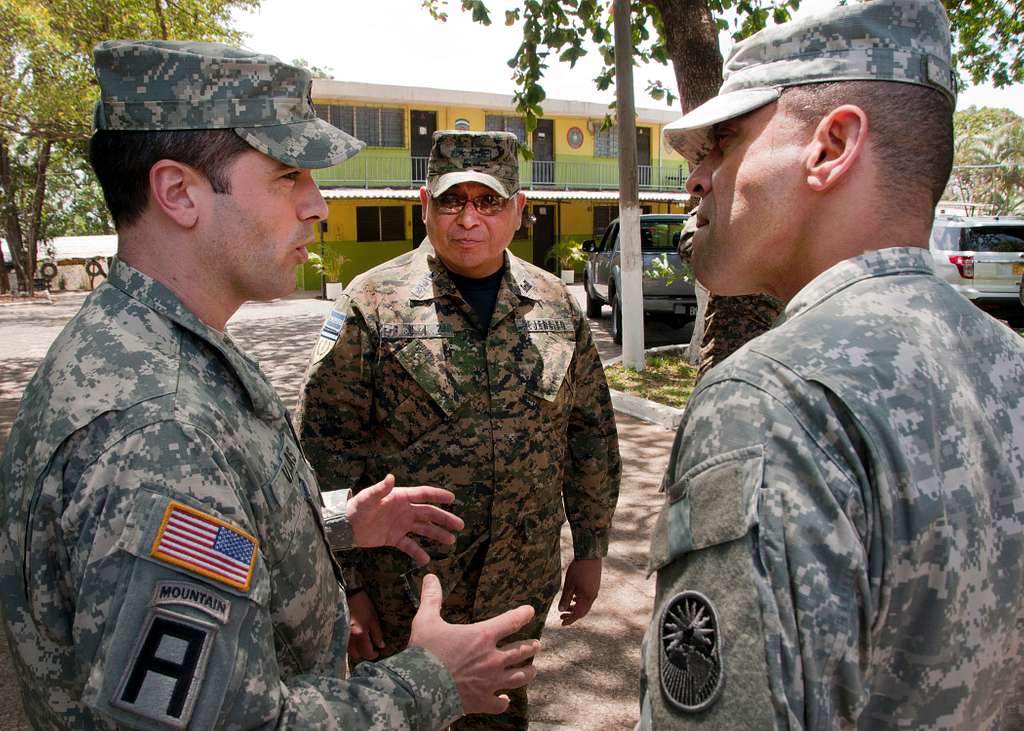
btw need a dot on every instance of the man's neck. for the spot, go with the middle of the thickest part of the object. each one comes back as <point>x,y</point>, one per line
<point>169,260</point>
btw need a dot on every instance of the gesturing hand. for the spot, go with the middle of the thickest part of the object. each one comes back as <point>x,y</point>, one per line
<point>582,582</point>
<point>383,515</point>
<point>479,667</point>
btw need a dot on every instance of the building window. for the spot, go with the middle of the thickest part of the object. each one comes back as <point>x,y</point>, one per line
<point>380,223</point>
<point>501,123</point>
<point>523,232</point>
<point>376,126</point>
<point>462,124</point>
<point>603,215</point>
<point>606,142</point>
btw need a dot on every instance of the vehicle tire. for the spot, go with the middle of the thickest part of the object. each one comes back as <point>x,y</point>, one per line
<point>593,303</point>
<point>93,268</point>
<point>616,320</point>
<point>48,270</point>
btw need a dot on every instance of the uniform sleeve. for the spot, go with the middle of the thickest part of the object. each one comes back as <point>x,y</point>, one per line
<point>762,612</point>
<point>176,621</point>
<point>594,468</point>
<point>336,399</point>
<point>335,404</point>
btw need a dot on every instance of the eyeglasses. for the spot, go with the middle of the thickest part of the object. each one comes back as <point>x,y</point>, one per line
<point>487,204</point>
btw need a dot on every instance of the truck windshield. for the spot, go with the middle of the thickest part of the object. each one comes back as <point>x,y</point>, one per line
<point>660,235</point>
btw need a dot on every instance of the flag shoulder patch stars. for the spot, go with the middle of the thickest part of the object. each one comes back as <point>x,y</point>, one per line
<point>203,544</point>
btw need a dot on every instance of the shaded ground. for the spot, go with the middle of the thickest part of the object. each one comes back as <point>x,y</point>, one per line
<point>589,672</point>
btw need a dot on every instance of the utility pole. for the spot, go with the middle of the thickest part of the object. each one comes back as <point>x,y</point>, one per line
<point>630,259</point>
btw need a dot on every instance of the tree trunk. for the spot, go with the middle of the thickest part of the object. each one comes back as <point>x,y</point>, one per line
<point>692,42</point>
<point>35,220</point>
<point>12,222</point>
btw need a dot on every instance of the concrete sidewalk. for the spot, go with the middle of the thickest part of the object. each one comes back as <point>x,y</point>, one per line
<point>588,672</point>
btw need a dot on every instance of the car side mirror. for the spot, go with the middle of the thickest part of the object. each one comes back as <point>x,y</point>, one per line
<point>589,245</point>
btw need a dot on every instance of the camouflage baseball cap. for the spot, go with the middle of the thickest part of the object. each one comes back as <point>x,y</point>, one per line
<point>178,85</point>
<point>886,40</point>
<point>488,158</point>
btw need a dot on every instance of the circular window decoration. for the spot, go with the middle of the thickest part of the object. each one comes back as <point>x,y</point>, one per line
<point>462,124</point>
<point>574,137</point>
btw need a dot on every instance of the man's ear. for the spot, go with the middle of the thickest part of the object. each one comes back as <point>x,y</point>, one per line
<point>521,202</point>
<point>838,143</point>
<point>176,189</point>
<point>424,202</point>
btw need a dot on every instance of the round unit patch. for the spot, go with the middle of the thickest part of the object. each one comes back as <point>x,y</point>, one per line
<point>691,652</point>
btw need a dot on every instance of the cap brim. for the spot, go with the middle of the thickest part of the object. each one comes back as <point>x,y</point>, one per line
<point>310,144</point>
<point>446,181</point>
<point>689,136</point>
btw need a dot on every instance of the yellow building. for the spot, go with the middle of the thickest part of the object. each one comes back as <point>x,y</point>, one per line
<point>571,185</point>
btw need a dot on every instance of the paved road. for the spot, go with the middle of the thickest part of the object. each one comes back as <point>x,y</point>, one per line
<point>589,672</point>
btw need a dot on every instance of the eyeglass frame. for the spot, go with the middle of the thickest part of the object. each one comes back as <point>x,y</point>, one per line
<point>466,200</point>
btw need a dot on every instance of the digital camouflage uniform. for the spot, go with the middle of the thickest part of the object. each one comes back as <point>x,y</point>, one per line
<point>842,538</point>
<point>515,422</point>
<point>139,416</point>
<point>847,492</point>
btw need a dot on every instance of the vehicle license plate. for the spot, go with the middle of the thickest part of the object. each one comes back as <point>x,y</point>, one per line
<point>688,309</point>
<point>1018,269</point>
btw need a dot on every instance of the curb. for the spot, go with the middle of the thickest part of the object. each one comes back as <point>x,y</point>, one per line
<point>640,408</point>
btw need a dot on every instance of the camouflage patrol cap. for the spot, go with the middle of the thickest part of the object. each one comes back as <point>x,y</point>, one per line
<point>886,40</point>
<point>191,85</point>
<point>488,158</point>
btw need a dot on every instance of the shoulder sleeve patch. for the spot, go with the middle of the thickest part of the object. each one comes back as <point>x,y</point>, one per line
<point>329,334</point>
<point>209,546</point>
<point>166,669</point>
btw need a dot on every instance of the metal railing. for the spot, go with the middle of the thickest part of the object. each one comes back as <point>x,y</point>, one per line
<point>369,171</point>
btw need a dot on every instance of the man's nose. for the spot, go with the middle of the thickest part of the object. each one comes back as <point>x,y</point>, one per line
<point>699,182</point>
<point>469,216</point>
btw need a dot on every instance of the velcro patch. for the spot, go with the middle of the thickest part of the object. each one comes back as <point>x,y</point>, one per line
<point>211,547</point>
<point>164,673</point>
<point>188,594</point>
<point>690,652</point>
<point>547,326</point>
<point>406,330</point>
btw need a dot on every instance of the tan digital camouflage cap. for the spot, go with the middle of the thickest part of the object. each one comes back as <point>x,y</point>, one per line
<point>179,85</point>
<point>488,158</point>
<point>886,40</point>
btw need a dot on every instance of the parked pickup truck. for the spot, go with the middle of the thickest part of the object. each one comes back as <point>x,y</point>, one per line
<point>659,236</point>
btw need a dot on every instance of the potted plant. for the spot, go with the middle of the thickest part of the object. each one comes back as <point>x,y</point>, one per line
<point>567,253</point>
<point>330,267</point>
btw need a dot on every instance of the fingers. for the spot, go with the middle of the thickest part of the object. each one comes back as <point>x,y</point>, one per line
<point>496,704</point>
<point>437,516</point>
<point>434,533</point>
<point>412,549</point>
<point>430,596</point>
<point>426,494</point>
<point>508,622</point>
<point>376,635</point>
<point>513,657</point>
<point>565,601</point>
<point>359,645</point>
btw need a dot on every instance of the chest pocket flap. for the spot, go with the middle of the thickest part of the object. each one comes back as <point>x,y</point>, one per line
<point>714,502</point>
<point>554,345</point>
<point>424,356</point>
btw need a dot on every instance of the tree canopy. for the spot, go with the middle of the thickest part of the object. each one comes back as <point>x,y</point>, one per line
<point>47,93</point>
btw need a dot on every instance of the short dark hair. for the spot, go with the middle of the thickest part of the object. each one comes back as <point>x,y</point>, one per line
<point>911,125</point>
<point>122,160</point>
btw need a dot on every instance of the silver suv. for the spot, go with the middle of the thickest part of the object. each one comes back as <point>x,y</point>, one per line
<point>982,257</point>
<point>669,298</point>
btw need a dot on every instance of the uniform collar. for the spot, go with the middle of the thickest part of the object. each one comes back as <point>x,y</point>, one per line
<point>870,265</point>
<point>162,300</point>
<point>431,279</point>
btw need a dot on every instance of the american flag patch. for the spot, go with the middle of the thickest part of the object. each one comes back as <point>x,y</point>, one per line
<point>206,545</point>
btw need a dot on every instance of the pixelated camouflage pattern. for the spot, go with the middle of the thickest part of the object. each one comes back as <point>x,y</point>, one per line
<point>848,490</point>
<point>138,403</point>
<point>484,157</point>
<point>887,40</point>
<point>729,322</point>
<point>515,422</point>
<point>179,85</point>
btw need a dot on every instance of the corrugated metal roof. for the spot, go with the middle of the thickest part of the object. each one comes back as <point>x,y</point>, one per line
<point>531,195</point>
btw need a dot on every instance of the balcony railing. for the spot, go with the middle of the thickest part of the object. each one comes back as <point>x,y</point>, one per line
<point>369,171</point>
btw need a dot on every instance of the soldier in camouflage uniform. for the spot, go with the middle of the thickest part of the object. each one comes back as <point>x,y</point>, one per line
<point>841,543</point>
<point>164,557</point>
<point>463,366</point>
